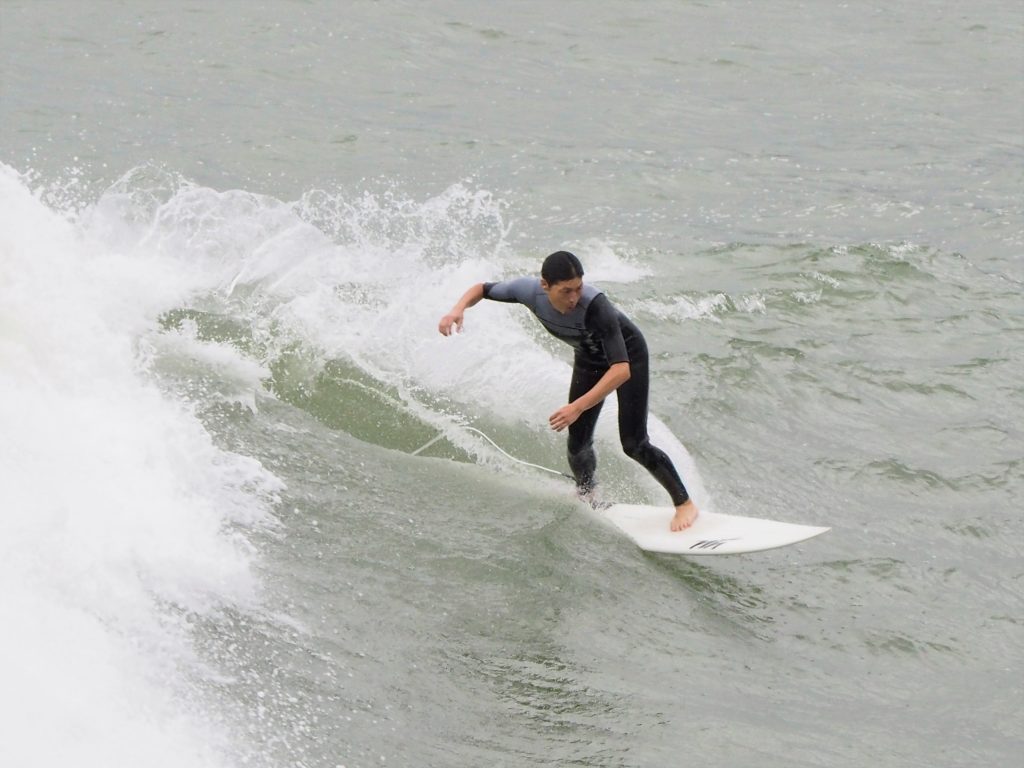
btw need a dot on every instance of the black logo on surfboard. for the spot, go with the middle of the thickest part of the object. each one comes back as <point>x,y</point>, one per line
<point>711,543</point>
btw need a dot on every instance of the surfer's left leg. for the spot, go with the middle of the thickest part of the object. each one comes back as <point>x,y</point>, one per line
<point>636,443</point>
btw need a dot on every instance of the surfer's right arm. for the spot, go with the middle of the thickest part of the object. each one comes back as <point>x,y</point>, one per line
<point>452,322</point>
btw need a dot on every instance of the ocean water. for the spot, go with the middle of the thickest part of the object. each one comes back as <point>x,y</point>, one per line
<point>244,517</point>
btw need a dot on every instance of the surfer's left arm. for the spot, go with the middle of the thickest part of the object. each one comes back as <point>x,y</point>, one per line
<point>617,375</point>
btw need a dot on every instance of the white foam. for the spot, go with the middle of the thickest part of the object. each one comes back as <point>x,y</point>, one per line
<point>115,505</point>
<point>605,262</point>
<point>235,377</point>
<point>707,307</point>
<point>367,284</point>
<point>684,308</point>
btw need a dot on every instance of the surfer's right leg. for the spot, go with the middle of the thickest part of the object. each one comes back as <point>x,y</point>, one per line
<point>582,459</point>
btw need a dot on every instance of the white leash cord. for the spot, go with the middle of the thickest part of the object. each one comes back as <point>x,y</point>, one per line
<point>500,450</point>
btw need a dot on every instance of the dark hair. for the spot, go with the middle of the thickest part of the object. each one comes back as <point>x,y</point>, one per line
<point>561,266</point>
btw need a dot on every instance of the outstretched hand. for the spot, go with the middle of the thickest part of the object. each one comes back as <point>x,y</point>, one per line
<point>451,323</point>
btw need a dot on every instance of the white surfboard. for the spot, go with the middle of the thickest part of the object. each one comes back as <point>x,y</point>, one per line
<point>712,533</point>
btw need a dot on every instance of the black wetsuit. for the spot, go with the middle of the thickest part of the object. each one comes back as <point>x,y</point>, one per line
<point>601,336</point>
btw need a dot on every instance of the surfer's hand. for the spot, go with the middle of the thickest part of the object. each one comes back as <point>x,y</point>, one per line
<point>449,321</point>
<point>684,517</point>
<point>564,416</point>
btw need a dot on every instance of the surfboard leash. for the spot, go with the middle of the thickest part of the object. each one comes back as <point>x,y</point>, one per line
<point>500,450</point>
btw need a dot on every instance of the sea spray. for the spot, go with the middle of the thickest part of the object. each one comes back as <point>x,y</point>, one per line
<point>120,517</point>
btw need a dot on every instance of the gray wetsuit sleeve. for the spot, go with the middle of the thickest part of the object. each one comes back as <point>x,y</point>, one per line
<point>522,290</point>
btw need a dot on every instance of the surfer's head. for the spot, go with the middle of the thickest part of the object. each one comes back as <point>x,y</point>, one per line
<point>560,266</point>
<point>561,277</point>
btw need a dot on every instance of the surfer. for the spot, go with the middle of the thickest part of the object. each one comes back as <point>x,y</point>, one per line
<point>610,356</point>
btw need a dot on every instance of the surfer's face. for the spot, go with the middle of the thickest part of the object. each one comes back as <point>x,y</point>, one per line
<point>564,295</point>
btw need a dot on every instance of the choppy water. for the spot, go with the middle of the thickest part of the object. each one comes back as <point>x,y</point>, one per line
<point>226,235</point>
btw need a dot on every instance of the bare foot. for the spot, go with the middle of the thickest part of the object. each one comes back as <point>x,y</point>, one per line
<point>685,515</point>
